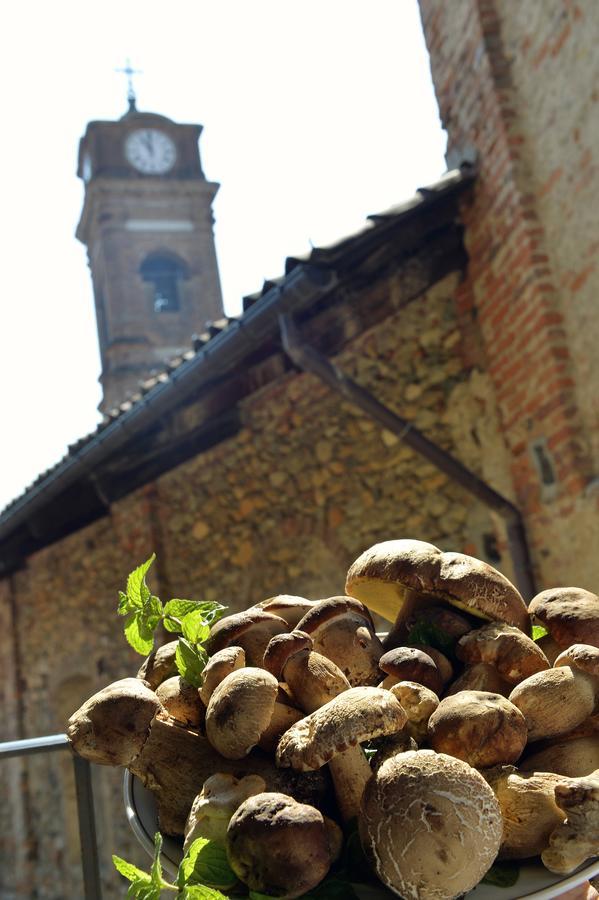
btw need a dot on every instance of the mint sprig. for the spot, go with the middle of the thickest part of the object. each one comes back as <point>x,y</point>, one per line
<point>203,869</point>
<point>190,618</point>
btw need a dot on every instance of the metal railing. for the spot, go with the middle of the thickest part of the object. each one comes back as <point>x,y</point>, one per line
<point>85,803</point>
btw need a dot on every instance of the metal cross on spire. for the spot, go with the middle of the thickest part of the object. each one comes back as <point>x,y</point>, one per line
<point>130,72</point>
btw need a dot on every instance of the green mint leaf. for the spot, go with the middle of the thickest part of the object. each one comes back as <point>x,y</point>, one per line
<point>144,891</point>
<point>152,613</point>
<point>181,608</point>
<point>206,863</point>
<point>138,634</point>
<point>200,892</point>
<point>138,592</point>
<point>538,632</point>
<point>195,629</point>
<point>502,874</point>
<point>156,870</point>
<point>125,606</point>
<point>129,871</point>
<point>190,662</point>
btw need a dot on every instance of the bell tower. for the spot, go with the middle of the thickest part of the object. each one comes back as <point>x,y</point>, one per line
<point>148,227</point>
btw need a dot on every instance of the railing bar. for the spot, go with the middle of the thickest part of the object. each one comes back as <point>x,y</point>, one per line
<point>34,745</point>
<point>87,829</point>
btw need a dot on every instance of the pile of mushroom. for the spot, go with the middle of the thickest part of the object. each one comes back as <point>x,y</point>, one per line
<point>267,757</point>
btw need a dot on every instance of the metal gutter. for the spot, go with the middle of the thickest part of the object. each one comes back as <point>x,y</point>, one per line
<point>301,288</point>
<point>310,360</point>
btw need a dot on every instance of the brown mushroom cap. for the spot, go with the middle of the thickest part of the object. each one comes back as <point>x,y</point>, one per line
<point>182,701</point>
<point>528,808</point>
<point>583,657</point>
<point>343,631</point>
<point>396,576</point>
<point>430,825</point>
<point>111,727</point>
<point>159,665</point>
<point>240,710</point>
<point>554,701</point>
<point>212,809</point>
<point>577,838</point>
<point>514,655</point>
<point>359,714</point>
<point>281,648</point>
<point>312,678</point>
<point>251,629</point>
<point>278,846</point>
<point>287,607</point>
<point>480,677</point>
<point>443,665</point>
<point>481,728</point>
<point>419,704</point>
<point>570,614</point>
<point>410,664</point>
<point>221,664</point>
<point>571,757</point>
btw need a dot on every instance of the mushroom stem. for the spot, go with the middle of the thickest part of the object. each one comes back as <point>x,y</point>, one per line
<point>350,772</point>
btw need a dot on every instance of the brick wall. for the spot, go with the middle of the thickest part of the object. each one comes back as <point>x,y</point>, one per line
<point>512,81</point>
<point>285,506</point>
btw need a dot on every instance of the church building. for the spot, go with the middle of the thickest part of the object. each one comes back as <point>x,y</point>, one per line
<point>432,375</point>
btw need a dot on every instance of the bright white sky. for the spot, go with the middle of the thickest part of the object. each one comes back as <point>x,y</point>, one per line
<point>315,112</point>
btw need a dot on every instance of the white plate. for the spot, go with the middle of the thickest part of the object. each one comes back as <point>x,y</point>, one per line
<point>534,881</point>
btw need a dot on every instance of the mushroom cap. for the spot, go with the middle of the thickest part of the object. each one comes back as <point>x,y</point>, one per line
<point>240,710</point>
<point>212,809</point>
<point>577,838</point>
<point>342,630</point>
<point>278,846</point>
<point>411,664</point>
<point>251,629</point>
<point>430,825</point>
<point>112,726</point>
<point>182,701</point>
<point>570,615</point>
<point>159,665</point>
<point>481,728</point>
<point>443,665</point>
<point>583,657</point>
<point>528,808</point>
<point>554,701</point>
<point>284,715</point>
<point>288,607</point>
<point>359,714</point>
<point>506,648</point>
<point>281,648</point>
<point>394,577</point>
<point>419,704</point>
<point>571,757</point>
<point>480,677</point>
<point>221,664</point>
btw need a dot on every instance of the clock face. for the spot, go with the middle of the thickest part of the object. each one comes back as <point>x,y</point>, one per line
<point>150,151</point>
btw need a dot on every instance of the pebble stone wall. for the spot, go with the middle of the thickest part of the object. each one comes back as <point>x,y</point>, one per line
<point>285,506</point>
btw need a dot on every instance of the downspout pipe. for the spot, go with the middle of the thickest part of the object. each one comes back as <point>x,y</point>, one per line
<point>310,360</point>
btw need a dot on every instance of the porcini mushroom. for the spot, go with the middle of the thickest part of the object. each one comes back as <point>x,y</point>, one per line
<point>410,664</point>
<point>481,728</point>
<point>430,825</point>
<point>277,846</point>
<point>574,757</point>
<point>512,653</point>
<point>312,678</point>
<point>221,664</point>
<point>111,727</point>
<point>288,607</point>
<point>557,700</point>
<point>419,704</point>
<point>396,578</point>
<point>342,630</point>
<point>480,677</point>
<point>251,629</point>
<point>331,733</point>
<point>159,665</point>
<point>212,809</point>
<point>182,701</point>
<point>577,838</point>
<point>570,615</point>
<point>240,710</point>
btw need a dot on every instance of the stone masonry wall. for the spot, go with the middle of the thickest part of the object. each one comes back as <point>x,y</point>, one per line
<point>285,506</point>
<point>514,82</point>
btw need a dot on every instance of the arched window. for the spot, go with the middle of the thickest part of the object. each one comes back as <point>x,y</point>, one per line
<point>164,273</point>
